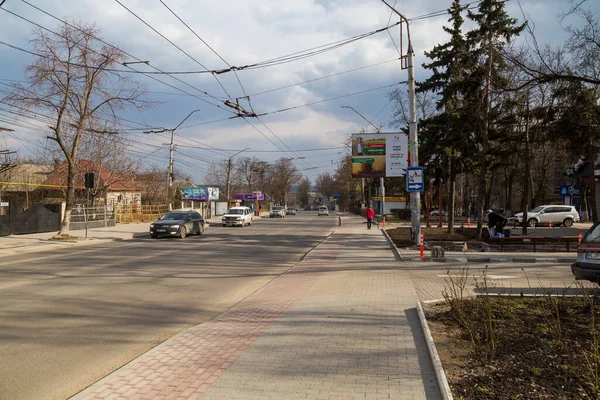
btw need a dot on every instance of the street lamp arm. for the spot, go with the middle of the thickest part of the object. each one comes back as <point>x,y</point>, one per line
<point>185,119</point>
<point>410,49</point>
<point>247,148</point>
<point>376,128</point>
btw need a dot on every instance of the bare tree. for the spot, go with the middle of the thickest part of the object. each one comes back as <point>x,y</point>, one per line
<point>72,79</point>
<point>577,61</point>
<point>326,184</point>
<point>284,175</point>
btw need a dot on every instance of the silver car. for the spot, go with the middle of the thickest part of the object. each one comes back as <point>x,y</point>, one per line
<point>550,214</point>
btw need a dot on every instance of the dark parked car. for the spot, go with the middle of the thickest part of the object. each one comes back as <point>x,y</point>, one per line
<point>587,266</point>
<point>178,223</point>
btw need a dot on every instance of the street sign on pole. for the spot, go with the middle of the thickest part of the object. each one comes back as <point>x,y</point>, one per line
<point>415,179</point>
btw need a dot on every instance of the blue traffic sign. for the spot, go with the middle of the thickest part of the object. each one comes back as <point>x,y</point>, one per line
<point>415,179</point>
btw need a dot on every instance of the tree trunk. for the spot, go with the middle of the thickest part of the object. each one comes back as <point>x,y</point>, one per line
<point>451,194</point>
<point>66,222</point>
<point>584,202</point>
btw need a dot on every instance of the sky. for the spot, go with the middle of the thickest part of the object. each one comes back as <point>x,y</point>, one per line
<point>305,101</point>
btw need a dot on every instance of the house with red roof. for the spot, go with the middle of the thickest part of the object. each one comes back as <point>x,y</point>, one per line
<point>110,188</point>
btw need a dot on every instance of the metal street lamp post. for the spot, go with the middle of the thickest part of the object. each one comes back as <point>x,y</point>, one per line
<point>171,149</point>
<point>415,197</point>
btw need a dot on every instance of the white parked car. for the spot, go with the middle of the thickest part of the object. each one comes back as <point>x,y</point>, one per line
<point>543,215</point>
<point>277,212</point>
<point>323,210</point>
<point>237,216</point>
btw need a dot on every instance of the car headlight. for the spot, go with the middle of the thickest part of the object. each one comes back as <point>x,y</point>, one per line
<point>173,226</point>
<point>239,218</point>
<point>151,226</point>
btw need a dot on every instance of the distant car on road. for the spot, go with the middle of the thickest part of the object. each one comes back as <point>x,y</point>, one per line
<point>436,213</point>
<point>277,212</point>
<point>543,215</point>
<point>291,211</point>
<point>587,266</point>
<point>178,223</point>
<point>323,210</point>
<point>237,216</point>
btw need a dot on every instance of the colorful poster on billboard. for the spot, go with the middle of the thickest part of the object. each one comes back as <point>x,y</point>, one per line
<point>376,155</point>
<point>200,193</point>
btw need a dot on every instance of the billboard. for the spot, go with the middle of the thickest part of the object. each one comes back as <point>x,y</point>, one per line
<point>376,155</point>
<point>200,193</point>
<point>249,196</point>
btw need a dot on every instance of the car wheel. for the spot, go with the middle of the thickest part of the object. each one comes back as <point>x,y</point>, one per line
<point>532,222</point>
<point>183,232</point>
<point>200,230</point>
<point>568,222</point>
<point>250,222</point>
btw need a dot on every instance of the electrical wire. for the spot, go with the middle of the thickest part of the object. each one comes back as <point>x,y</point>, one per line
<point>332,98</point>
<point>139,60</point>
<point>173,44</point>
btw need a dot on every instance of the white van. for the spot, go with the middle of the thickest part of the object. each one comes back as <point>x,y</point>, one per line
<point>237,216</point>
<point>323,210</point>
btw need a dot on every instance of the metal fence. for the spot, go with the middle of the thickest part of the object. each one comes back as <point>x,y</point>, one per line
<point>125,213</point>
<point>91,217</point>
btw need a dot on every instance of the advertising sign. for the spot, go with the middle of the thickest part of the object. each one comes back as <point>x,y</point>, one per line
<point>249,196</point>
<point>200,193</point>
<point>378,155</point>
<point>397,154</point>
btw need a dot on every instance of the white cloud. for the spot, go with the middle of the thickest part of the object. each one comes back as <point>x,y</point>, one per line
<point>244,32</point>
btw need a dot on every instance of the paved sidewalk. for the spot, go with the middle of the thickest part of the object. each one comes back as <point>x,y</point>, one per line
<point>341,324</point>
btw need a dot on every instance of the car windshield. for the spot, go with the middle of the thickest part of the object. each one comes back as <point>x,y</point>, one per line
<point>593,235</point>
<point>537,210</point>
<point>174,216</point>
<point>235,211</point>
<point>277,208</point>
<point>323,208</point>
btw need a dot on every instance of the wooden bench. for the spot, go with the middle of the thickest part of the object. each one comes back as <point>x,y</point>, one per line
<point>536,241</point>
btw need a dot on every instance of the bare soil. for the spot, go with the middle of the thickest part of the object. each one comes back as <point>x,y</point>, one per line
<point>543,348</point>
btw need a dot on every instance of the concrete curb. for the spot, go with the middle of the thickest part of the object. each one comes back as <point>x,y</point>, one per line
<point>434,356</point>
<point>492,260</point>
<point>395,250</point>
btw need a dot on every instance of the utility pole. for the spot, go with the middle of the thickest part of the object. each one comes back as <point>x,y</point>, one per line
<point>229,175</point>
<point>171,149</point>
<point>415,197</point>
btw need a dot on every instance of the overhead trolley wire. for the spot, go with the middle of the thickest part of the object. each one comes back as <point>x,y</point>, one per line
<point>173,44</point>
<point>138,59</point>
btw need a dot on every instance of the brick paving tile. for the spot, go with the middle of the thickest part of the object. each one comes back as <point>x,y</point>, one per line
<point>340,324</point>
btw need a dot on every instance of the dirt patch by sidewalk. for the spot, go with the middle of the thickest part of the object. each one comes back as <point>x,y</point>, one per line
<point>519,348</point>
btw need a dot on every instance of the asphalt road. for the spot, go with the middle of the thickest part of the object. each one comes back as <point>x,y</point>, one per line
<point>70,316</point>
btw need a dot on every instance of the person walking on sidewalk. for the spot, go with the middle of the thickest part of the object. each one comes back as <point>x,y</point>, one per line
<point>370,213</point>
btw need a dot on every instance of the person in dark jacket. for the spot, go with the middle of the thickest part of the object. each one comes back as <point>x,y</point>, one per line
<point>496,221</point>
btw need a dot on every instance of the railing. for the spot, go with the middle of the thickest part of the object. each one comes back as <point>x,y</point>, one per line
<point>131,213</point>
<point>101,213</point>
